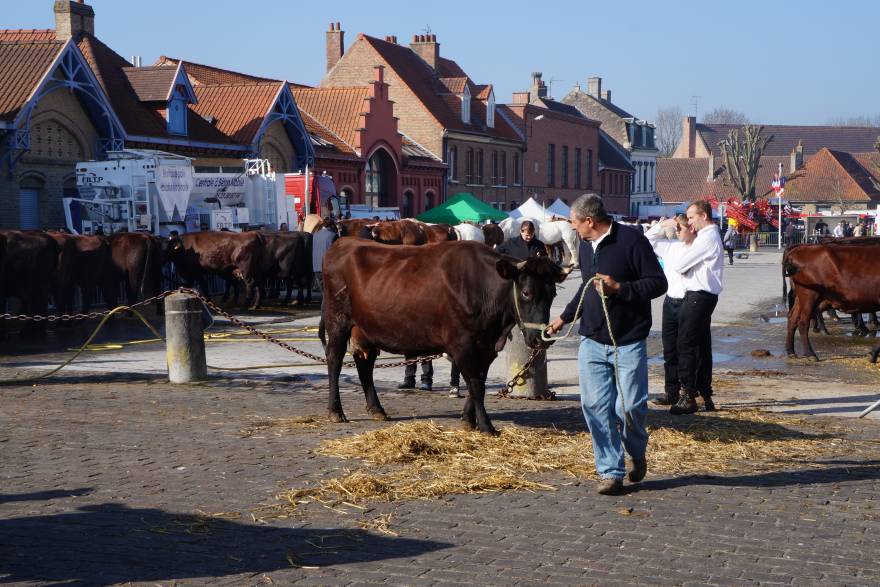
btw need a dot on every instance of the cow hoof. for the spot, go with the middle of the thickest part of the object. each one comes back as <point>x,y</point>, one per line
<point>490,431</point>
<point>814,358</point>
<point>379,416</point>
<point>468,426</point>
<point>792,356</point>
<point>338,417</point>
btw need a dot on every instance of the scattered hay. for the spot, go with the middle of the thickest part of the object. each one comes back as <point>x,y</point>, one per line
<point>279,426</point>
<point>381,524</point>
<point>423,460</point>
<point>761,353</point>
<point>197,523</point>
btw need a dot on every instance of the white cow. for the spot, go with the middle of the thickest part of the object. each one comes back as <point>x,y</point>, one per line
<point>469,232</point>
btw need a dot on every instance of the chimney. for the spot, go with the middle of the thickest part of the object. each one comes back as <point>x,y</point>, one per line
<point>335,45</point>
<point>427,47</point>
<point>594,87</point>
<point>520,98</point>
<point>689,136</point>
<point>539,88</point>
<point>73,19</point>
<point>797,158</point>
<point>606,95</point>
<point>711,176</point>
<point>391,39</point>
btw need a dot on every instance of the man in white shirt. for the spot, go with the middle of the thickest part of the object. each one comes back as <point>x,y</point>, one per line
<point>668,249</point>
<point>838,230</point>
<point>701,266</point>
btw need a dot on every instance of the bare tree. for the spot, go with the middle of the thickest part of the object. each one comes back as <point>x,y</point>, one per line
<point>725,116</point>
<point>856,121</point>
<point>668,125</point>
<point>742,158</point>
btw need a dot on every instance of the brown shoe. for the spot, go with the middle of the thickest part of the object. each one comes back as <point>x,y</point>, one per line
<point>687,404</point>
<point>639,469</point>
<point>665,400</point>
<point>610,487</point>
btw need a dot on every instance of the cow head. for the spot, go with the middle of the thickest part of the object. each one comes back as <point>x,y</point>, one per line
<point>534,288</point>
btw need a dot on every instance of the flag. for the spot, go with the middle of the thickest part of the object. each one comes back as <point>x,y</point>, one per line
<point>778,183</point>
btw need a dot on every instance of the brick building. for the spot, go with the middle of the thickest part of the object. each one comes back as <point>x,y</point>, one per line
<point>826,166</point>
<point>110,104</point>
<point>353,131</point>
<point>562,146</point>
<point>439,108</point>
<point>634,137</point>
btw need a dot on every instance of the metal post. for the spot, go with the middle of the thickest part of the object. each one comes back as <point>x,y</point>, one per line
<point>870,409</point>
<point>517,354</point>
<point>185,343</point>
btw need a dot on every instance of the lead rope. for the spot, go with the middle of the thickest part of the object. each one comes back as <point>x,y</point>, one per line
<point>545,337</point>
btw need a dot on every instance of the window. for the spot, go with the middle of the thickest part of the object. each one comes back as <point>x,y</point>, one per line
<point>376,181</point>
<point>469,167</point>
<point>565,166</point>
<point>466,106</point>
<point>589,168</point>
<point>176,117</point>
<point>494,167</point>
<point>452,161</point>
<point>551,165</point>
<point>490,111</point>
<point>644,177</point>
<point>479,178</point>
<point>577,167</point>
<point>503,167</point>
<point>516,179</point>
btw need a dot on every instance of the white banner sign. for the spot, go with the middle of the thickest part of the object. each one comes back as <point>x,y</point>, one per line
<point>228,188</point>
<point>174,185</point>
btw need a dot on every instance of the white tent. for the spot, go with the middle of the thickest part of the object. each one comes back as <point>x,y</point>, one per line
<point>559,208</point>
<point>529,209</point>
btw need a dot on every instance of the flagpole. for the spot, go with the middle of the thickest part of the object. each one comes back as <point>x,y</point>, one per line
<point>779,204</point>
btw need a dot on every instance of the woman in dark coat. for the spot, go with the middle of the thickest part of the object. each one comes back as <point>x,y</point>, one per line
<point>525,245</point>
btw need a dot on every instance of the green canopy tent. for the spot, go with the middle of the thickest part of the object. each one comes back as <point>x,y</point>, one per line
<point>461,207</point>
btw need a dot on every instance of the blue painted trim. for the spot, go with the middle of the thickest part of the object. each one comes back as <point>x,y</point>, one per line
<point>187,143</point>
<point>284,108</point>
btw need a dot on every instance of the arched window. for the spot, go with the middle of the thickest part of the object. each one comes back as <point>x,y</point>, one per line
<point>378,184</point>
<point>453,163</point>
<point>406,208</point>
<point>429,200</point>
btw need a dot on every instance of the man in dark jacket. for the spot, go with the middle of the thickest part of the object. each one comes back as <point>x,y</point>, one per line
<point>620,260</point>
<point>525,245</point>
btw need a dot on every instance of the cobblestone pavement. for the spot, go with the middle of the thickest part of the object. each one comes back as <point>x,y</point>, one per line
<point>101,480</point>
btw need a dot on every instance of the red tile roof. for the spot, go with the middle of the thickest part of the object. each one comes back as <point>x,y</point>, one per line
<point>425,83</point>
<point>455,85</point>
<point>827,176</point>
<point>151,84</point>
<point>238,109</point>
<point>324,139</point>
<point>851,139</point>
<point>22,65</point>
<point>137,117</point>
<point>27,35</point>
<point>482,92</point>
<point>209,75</point>
<point>337,109</point>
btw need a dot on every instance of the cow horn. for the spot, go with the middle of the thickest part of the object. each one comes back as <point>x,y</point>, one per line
<point>521,265</point>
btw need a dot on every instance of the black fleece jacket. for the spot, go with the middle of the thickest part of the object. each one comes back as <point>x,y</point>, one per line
<point>626,255</point>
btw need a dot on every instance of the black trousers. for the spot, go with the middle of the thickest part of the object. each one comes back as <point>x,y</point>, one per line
<point>695,342</point>
<point>729,254</point>
<point>427,371</point>
<point>669,335</point>
<point>454,376</point>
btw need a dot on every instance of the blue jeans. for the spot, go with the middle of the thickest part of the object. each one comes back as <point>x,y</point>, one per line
<point>603,408</point>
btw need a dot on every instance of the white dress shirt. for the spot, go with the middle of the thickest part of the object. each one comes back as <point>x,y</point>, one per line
<point>596,242</point>
<point>702,263</point>
<point>668,249</point>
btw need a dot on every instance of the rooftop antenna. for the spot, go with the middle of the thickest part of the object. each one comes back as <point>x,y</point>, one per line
<point>427,30</point>
<point>550,86</point>
<point>695,102</point>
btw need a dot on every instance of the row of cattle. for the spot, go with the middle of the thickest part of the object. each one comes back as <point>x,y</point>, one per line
<point>840,274</point>
<point>37,266</point>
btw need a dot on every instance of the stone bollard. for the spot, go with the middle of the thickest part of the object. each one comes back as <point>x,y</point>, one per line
<point>185,342</point>
<point>517,354</point>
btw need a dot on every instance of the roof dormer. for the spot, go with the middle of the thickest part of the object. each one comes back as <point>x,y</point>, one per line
<point>167,89</point>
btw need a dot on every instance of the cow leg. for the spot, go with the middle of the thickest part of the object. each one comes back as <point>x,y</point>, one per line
<point>808,301</point>
<point>288,286</point>
<point>251,288</point>
<point>872,321</point>
<point>859,328</point>
<point>365,361</point>
<point>337,342</point>
<point>874,352</point>
<point>791,326</point>
<point>474,414</point>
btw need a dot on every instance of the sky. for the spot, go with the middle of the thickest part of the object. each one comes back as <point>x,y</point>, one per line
<point>779,62</point>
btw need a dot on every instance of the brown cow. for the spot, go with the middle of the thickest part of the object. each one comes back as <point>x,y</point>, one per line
<point>219,253</point>
<point>137,260</point>
<point>438,233</point>
<point>493,235</point>
<point>29,271</point>
<point>843,275</point>
<point>455,297</point>
<point>399,232</point>
<point>353,226</point>
<point>91,268</point>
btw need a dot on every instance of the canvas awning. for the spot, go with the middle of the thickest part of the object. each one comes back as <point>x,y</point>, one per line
<point>460,208</point>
